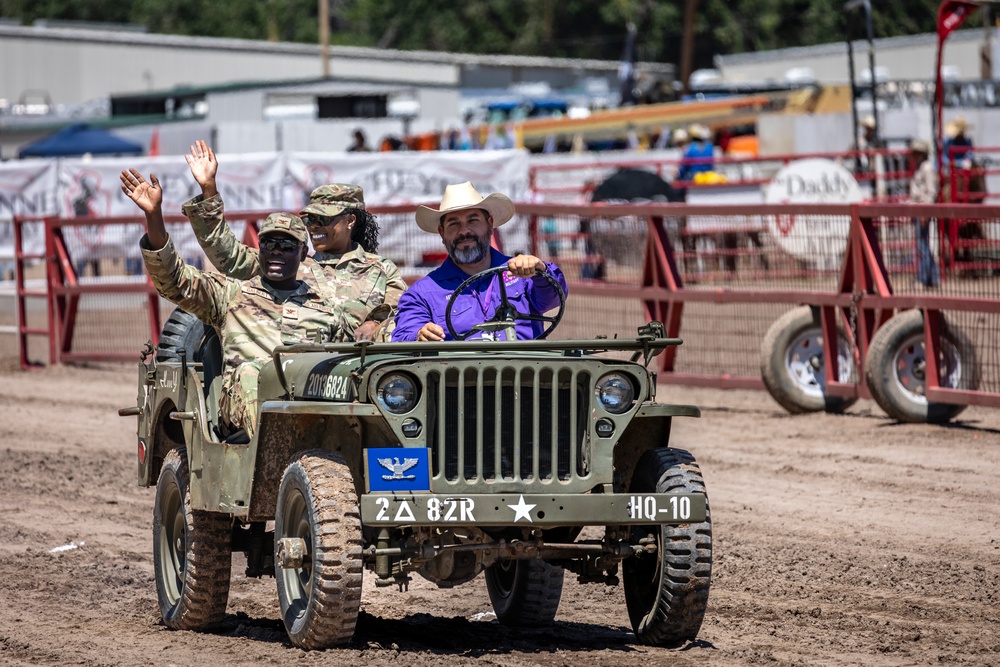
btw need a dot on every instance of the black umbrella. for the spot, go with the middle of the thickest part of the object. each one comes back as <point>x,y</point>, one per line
<point>635,184</point>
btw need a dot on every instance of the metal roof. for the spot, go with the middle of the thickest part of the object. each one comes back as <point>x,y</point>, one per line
<point>797,53</point>
<point>230,44</point>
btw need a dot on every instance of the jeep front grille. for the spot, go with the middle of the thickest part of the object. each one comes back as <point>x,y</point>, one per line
<point>514,424</point>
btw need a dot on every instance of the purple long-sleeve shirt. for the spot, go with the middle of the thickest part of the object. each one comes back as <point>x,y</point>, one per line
<point>427,300</point>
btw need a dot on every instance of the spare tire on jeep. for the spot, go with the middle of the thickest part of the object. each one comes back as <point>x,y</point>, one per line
<point>183,331</point>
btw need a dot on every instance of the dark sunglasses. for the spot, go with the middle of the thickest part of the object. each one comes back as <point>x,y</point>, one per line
<point>282,245</point>
<point>321,220</point>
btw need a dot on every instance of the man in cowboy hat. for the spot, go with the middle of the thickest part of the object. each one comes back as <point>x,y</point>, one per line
<point>957,144</point>
<point>465,222</point>
<point>923,190</point>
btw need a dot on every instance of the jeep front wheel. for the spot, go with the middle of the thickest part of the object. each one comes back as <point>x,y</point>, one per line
<point>192,552</point>
<point>666,591</point>
<point>524,592</point>
<point>317,544</point>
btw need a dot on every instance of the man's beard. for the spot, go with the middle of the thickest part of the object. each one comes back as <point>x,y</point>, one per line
<point>469,255</point>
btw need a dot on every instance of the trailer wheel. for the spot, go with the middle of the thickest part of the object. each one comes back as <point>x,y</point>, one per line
<point>896,367</point>
<point>792,367</point>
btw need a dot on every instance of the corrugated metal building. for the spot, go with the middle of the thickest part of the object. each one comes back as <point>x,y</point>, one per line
<point>240,86</point>
<point>74,65</point>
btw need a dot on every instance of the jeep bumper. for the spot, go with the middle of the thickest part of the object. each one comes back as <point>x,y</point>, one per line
<point>531,510</point>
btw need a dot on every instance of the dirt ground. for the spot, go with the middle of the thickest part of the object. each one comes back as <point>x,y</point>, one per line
<point>839,540</point>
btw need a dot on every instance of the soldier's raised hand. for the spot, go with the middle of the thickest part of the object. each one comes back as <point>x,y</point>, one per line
<point>203,164</point>
<point>148,196</point>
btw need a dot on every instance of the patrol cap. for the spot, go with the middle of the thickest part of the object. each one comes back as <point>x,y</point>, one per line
<point>284,223</point>
<point>333,199</point>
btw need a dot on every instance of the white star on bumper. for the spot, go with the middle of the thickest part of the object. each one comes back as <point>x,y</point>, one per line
<point>521,510</point>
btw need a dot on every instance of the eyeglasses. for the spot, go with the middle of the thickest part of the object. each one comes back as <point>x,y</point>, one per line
<point>281,245</point>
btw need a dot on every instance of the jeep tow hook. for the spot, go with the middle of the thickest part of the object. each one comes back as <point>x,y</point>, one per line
<point>291,553</point>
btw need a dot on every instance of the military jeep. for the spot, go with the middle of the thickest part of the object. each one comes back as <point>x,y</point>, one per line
<point>442,459</point>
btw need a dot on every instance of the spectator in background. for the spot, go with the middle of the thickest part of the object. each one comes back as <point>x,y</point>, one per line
<point>869,140</point>
<point>698,154</point>
<point>957,144</point>
<point>923,190</point>
<point>360,144</point>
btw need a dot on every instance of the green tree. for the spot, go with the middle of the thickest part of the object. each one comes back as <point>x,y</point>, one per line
<point>563,28</point>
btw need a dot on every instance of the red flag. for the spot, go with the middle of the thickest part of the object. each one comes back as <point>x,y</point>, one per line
<point>154,143</point>
<point>951,14</point>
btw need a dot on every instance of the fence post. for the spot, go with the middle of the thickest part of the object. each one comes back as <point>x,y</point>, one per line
<point>660,271</point>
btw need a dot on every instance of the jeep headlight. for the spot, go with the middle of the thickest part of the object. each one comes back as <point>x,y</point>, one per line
<point>615,393</point>
<point>397,392</point>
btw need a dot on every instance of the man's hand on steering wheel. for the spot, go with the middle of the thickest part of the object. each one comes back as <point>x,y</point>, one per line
<point>506,314</point>
<point>525,266</point>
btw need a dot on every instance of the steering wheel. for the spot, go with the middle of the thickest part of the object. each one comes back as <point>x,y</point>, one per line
<point>506,315</point>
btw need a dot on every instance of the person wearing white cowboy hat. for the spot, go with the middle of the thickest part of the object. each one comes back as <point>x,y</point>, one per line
<point>465,222</point>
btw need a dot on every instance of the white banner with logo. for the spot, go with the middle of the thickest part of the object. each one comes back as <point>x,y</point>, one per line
<point>819,240</point>
<point>414,178</point>
<point>26,189</point>
<point>92,188</point>
<point>268,182</point>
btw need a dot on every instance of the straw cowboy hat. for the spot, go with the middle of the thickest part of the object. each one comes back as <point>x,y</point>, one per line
<point>956,126</point>
<point>869,122</point>
<point>460,197</point>
<point>698,131</point>
<point>920,146</point>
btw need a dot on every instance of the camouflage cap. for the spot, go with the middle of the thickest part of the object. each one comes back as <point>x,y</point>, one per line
<point>285,223</point>
<point>333,199</point>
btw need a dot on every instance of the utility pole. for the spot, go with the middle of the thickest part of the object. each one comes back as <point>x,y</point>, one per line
<point>324,36</point>
<point>687,43</point>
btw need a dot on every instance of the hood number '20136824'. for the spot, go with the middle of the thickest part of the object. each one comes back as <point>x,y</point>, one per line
<point>333,387</point>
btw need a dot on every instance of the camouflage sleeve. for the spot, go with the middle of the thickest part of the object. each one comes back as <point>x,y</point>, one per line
<point>223,249</point>
<point>204,295</point>
<point>395,285</point>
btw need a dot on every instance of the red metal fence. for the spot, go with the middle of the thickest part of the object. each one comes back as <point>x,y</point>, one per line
<point>717,276</point>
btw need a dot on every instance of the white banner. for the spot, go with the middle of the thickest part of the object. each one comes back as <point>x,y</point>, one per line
<point>92,188</point>
<point>26,189</point>
<point>416,177</point>
<point>268,182</point>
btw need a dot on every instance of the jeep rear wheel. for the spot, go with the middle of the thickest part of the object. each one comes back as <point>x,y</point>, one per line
<point>896,369</point>
<point>792,364</point>
<point>320,596</point>
<point>192,552</point>
<point>524,592</point>
<point>666,592</point>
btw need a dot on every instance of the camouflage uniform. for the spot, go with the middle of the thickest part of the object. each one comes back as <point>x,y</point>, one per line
<point>251,316</point>
<point>371,284</point>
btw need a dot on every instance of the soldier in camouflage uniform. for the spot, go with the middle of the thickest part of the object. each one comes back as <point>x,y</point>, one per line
<point>344,236</point>
<point>252,316</point>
